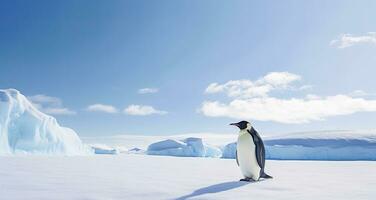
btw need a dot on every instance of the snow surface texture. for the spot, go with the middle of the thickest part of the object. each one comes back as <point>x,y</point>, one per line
<point>25,130</point>
<point>189,147</point>
<point>137,177</point>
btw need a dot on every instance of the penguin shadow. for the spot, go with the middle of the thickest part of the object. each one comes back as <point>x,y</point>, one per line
<point>221,187</point>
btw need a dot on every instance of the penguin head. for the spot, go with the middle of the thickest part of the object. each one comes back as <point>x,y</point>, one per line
<point>242,125</point>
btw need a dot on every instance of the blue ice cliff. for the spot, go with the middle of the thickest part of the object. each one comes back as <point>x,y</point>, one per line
<point>26,130</point>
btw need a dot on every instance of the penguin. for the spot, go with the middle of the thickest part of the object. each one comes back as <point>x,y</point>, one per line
<point>250,153</point>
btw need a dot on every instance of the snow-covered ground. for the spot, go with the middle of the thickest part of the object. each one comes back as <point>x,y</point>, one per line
<point>125,176</point>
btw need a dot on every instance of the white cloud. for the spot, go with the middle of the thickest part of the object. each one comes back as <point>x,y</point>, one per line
<point>312,97</point>
<point>288,110</point>
<point>102,108</point>
<point>58,111</point>
<point>143,110</point>
<point>148,90</point>
<point>279,79</point>
<point>44,99</point>
<point>258,88</point>
<point>50,105</point>
<point>239,88</point>
<point>348,40</point>
<point>251,100</point>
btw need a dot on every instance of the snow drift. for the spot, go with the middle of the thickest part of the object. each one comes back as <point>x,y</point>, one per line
<point>326,145</point>
<point>24,129</point>
<point>189,147</point>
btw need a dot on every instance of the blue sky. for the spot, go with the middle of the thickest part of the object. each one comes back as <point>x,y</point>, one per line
<point>77,54</point>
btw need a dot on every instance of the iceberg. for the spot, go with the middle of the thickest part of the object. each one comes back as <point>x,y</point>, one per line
<point>104,149</point>
<point>26,130</point>
<point>229,151</point>
<point>189,147</point>
<point>136,151</point>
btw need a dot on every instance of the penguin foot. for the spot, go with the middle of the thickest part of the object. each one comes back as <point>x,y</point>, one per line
<point>247,179</point>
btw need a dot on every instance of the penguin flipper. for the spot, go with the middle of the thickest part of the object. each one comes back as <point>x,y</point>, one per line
<point>264,175</point>
<point>260,149</point>
<point>236,156</point>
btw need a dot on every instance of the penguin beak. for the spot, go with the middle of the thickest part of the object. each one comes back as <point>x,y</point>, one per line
<point>234,124</point>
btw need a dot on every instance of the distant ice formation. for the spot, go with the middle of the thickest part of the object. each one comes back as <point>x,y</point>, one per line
<point>320,145</point>
<point>189,147</point>
<point>104,149</point>
<point>325,145</point>
<point>229,151</point>
<point>26,130</point>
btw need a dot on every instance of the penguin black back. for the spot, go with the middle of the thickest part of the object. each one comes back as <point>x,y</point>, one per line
<point>260,152</point>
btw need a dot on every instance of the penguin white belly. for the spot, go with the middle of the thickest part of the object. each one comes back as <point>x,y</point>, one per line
<point>246,150</point>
